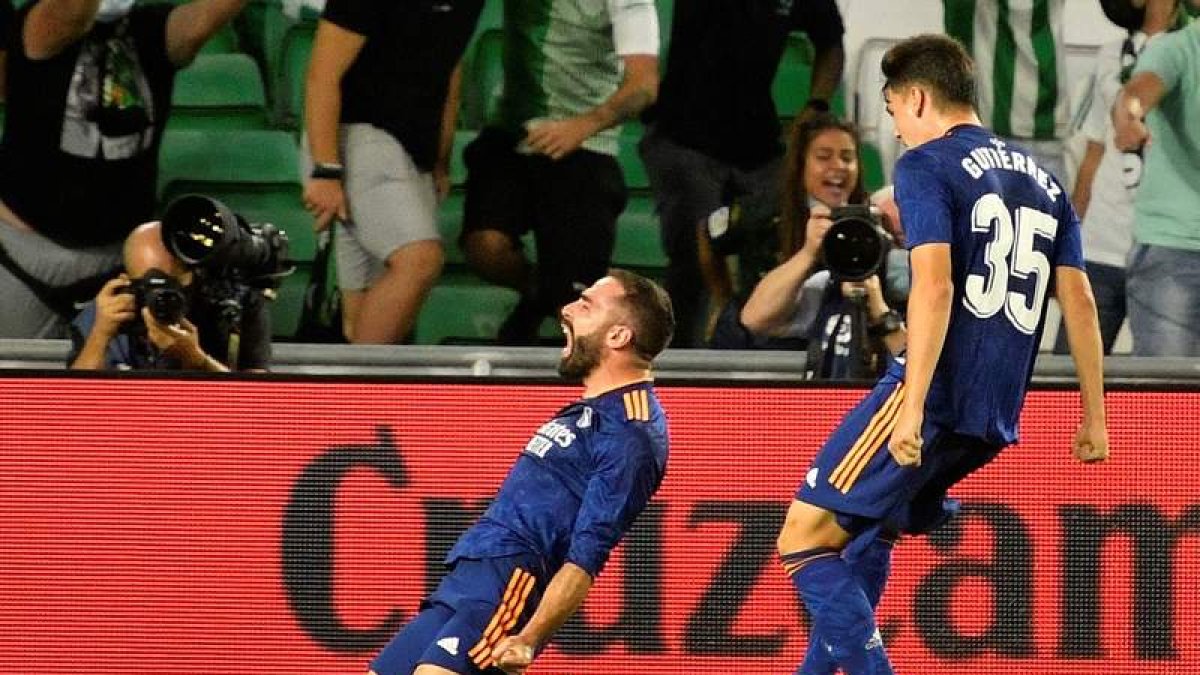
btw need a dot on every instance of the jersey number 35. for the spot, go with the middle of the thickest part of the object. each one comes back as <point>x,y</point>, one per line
<point>1010,255</point>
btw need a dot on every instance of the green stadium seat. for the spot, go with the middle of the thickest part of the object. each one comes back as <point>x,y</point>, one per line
<point>492,16</point>
<point>450,219</point>
<point>870,165</point>
<point>666,13</point>
<point>296,52</point>
<point>463,313</point>
<point>458,166</point>
<point>483,79</point>
<point>254,172</point>
<point>287,46</point>
<point>219,91</point>
<point>288,304</point>
<point>631,163</point>
<point>224,42</point>
<point>250,26</point>
<point>639,245</point>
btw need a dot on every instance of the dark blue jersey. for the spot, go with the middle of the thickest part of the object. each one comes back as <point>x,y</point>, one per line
<point>1009,224</point>
<point>579,483</point>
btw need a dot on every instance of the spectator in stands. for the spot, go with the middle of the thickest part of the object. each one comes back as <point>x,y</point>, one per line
<point>115,332</point>
<point>1108,177</point>
<point>1020,59</point>
<point>792,301</point>
<point>546,162</point>
<point>89,92</point>
<point>380,110</point>
<point>714,136</point>
<point>1159,110</point>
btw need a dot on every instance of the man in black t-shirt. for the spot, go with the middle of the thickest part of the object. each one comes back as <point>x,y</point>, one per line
<point>380,109</point>
<point>714,133</point>
<point>112,333</point>
<point>89,92</point>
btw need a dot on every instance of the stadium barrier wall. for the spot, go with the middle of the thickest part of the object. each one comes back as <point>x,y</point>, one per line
<point>288,525</point>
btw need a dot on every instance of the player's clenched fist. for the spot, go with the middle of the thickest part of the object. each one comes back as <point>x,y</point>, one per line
<point>905,443</point>
<point>513,655</point>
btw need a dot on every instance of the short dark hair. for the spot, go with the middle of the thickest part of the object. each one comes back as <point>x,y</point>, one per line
<point>934,61</point>
<point>650,312</point>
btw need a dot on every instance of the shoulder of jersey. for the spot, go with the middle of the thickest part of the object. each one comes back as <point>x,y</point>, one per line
<point>636,405</point>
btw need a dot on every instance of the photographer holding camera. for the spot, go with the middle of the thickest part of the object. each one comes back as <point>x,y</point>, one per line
<point>174,310</point>
<point>844,310</point>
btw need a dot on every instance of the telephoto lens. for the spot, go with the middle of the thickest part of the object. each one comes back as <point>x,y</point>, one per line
<point>856,244</point>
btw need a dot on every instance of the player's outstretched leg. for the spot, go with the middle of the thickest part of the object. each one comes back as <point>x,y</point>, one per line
<point>871,569</point>
<point>810,546</point>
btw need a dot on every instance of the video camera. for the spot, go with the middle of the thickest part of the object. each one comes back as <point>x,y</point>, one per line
<point>856,245</point>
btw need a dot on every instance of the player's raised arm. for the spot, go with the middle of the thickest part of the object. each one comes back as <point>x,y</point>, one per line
<point>1083,336</point>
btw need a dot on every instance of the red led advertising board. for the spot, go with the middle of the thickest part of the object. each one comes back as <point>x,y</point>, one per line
<point>201,526</point>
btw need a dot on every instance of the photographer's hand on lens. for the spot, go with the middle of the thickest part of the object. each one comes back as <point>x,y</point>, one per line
<point>181,340</point>
<point>325,199</point>
<point>876,304</point>
<point>114,306</point>
<point>814,232</point>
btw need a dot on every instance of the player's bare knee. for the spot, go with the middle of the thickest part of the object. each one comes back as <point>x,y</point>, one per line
<point>807,527</point>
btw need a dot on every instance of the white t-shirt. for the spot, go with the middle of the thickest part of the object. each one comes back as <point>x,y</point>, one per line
<point>1108,225</point>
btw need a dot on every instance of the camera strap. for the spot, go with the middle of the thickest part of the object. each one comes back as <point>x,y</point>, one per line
<point>233,347</point>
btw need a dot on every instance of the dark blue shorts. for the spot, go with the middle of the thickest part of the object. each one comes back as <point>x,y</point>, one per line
<point>855,476</point>
<point>478,603</point>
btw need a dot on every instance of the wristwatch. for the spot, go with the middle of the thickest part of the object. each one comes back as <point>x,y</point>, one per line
<point>328,170</point>
<point>889,322</point>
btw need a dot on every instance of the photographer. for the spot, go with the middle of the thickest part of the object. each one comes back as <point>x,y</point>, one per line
<point>120,329</point>
<point>850,327</point>
<point>88,96</point>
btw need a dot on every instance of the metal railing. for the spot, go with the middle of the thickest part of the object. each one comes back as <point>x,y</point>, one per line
<point>540,362</point>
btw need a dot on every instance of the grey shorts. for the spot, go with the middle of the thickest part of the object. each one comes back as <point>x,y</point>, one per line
<point>391,202</point>
<point>25,315</point>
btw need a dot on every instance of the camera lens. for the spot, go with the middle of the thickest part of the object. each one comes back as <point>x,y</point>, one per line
<point>853,248</point>
<point>195,228</point>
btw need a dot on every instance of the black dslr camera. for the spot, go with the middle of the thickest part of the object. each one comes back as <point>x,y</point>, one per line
<point>164,296</point>
<point>856,245</point>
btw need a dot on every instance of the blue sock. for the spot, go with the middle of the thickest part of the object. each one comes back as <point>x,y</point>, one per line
<point>843,619</point>
<point>871,569</point>
<point>817,660</point>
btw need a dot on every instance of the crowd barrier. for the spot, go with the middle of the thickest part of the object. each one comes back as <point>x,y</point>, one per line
<point>292,524</point>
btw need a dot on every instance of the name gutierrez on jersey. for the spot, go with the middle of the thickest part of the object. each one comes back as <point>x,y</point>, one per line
<point>984,158</point>
<point>551,433</point>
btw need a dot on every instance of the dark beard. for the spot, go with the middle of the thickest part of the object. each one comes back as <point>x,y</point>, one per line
<point>583,359</point>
